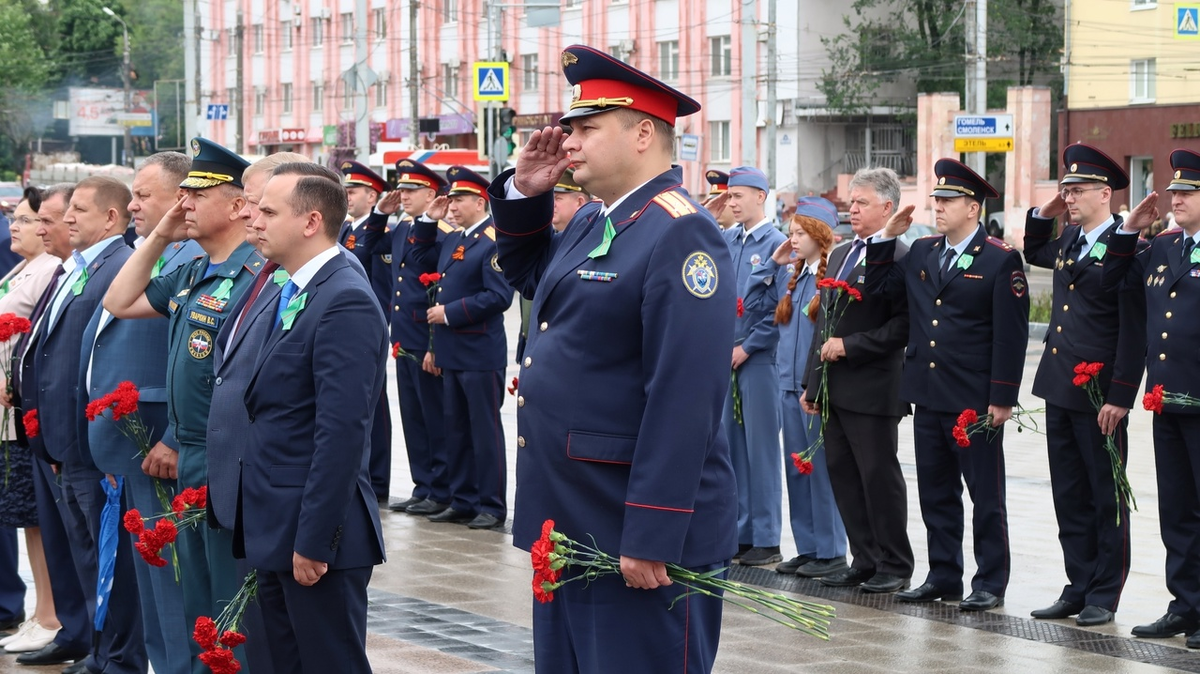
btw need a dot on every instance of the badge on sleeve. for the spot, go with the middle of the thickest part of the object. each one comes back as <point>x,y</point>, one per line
<point>700,275</point>
<point>496,263</point>
<point>1018,283</point>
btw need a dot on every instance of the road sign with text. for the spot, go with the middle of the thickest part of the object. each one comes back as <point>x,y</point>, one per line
<point>983,144</point>
<point>983,126</point>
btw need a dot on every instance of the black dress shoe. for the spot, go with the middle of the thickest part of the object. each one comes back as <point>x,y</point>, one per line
<point>79,667</point>
<point>1167,626</point>
<point>426,507</point>
<point>927,592</point>
<point>1060,609</point>
<point>1194,640</point>
<point>400,506</point>
<point>485,521</point>
<point>1091,616</point>
<point>980,601</point>
<point>819,568</point>
<point>792,564</point>
<point>851,577</point>
<point>453,516</point>
<point>10,625</point>
<point>51,654</point>
<point>885,582</point>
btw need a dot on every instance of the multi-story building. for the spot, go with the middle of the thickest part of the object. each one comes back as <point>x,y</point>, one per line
<point>1136,97</point>
<point>299,55</point>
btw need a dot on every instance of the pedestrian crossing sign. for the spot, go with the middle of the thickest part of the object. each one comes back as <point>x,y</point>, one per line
<point>1187,22</point>
<point>491,80</point>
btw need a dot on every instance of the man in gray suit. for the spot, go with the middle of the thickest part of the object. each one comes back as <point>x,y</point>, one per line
<point>116,350</point>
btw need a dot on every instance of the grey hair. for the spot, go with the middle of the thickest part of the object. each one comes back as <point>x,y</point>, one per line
<point>175,165</point>
<point>66,190</point>
<point>884,181</point>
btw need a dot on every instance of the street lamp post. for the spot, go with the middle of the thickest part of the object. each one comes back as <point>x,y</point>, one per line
<point>128,92</point>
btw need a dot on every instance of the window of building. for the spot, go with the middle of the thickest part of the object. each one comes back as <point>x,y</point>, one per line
<point>232,40</point>
<point>379,23</point>
<point>347,97</point>
<point>258,38</point>
<point>529,72</point>
<point>450,11</point>
<point>260,101</point>
<point>450,80</point>
<point>318,91</point>
<point>571,4</point>
<point>285,35</point>
<point>381,93</point>
<point>231,97</point>
<point>285,92</point>
<point>346,20</point>
<point>718,142</point>
<point>1141,179</point>
<point>318,31</point>
<point>1141,81</point>
<point>668,60</point>
<point>722,56</point>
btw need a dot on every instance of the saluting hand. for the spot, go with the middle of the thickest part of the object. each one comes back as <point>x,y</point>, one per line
<point>439,207</point>
<point>782,254</point>
<point>390,203</point>
<point>173,226</point>
<point>899,222</point>
<point>1053,208</point>
<point>543,161</point>
<point>716,204</point>
<point>1143,215</point>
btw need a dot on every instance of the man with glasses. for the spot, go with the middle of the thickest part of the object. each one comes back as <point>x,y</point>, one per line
<point>1087,324</point>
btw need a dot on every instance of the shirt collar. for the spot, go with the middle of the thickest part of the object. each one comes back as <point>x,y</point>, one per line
<point>757,230</point>
<point>811,268</point>
<point>607,210</point>
<point>88,255</point>
<point>305,274</point>
<point>1090,238</point>
<point>471,230</point>
<point>962,245</point>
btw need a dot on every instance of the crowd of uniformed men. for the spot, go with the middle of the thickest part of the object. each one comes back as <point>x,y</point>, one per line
<point>242,294</point>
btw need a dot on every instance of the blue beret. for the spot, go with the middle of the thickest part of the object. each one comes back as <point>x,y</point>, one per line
<point>749,176</point>
<point>818,208</point>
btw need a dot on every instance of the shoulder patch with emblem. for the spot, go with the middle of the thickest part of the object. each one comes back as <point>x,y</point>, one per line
<point>490,232</point>
<point>1018,283</point>
<point>496,263</point>
<point>674,204</point>
<point>700,275</point>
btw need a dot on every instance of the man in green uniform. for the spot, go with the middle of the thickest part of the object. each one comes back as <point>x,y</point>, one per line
<point>197,298</point>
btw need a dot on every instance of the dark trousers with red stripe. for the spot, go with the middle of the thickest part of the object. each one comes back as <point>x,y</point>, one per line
<point>1095,547</point>
<point>475,441</point>
<point>1177,461</point>
<point>602,626</point>
<point>942,468</point>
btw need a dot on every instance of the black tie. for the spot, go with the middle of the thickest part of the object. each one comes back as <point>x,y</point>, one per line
<point>1187,250</point>
<point>1076,248</point>
<point>949,263</point>
<point>851,259</point>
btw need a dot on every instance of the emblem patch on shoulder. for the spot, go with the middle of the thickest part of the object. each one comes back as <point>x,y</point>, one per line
<point>1018,284</point>
<point>496,263</point>
<point>200,344</point>
<point>700,275</point>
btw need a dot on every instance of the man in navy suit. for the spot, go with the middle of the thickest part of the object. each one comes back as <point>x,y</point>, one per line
<point>308,520</point>
<point>469,349</point>
<point>633,308</point>
<point>420,392</point>
<point>95,221</point>
<point>968,304</point>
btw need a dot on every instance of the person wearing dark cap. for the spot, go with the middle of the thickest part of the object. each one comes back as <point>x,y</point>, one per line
<point>420,392</point>
<point>1169,272</point>
<point>785,285</point>
<point>1087,324</point>
<point>469,349</point>
<point>968,305</point>
<point>363,188</point>
<point>634,308</point>
<point>197,297</point>
<point>718,182</point>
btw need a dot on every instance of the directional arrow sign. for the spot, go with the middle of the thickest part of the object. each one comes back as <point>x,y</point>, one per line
<point>983,126</point>
<point>983,144</point>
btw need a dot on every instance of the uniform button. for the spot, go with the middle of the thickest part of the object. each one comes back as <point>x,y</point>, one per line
<point>938,302</point>
<point>528,361</point>
<point>932,365</point>
<point>402,265</point>
<point>1071,287</point>
<point>439,290</point>
<point>543,326</point>
<point>397,293</point>
<point>935,322</point>
<point>1168,314</point>
<point>1054,351</point>
<point>520,441</point>
<point>520,401</point>
<point>1058,329</point>
<point>218,381</point>
<point>1162,356</point>
<point>399,278</point>
<point>1066,307</point>
<point>1164,335</point>
<point>1172,294</point>
<point>932,344</point>
<point>397,307</point>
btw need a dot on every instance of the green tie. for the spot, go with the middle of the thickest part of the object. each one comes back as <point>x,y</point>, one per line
<point>609,233</point>
<point>80,282</point>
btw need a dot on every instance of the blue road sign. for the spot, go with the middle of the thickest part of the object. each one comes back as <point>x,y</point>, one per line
<point>217,111</point>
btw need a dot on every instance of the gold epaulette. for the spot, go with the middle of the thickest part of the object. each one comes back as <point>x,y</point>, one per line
<point>446,227</point>
<point>490,232</point>
<point>674,204</point>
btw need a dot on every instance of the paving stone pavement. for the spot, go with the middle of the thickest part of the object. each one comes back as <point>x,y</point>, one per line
<point>455,601</point>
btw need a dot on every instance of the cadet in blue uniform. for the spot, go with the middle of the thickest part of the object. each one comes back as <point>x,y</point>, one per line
<point>469,349</point>
<point>968,305</point>
<point>363,187</point>
<point>197,298</point>
<point>634,308</point>
<point>785,284</point>
<point>1087,324</point>
<point>754,437</point>
<point>1170,273</point>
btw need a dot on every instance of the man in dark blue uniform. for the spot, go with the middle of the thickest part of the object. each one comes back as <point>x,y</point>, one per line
<point>363,187</point>
<point>469,349</point>
<point>1087,324</point>
<point>718,182</point>
<point>420,392</point>
<point>634,309</point>
<point>968,306</point>
<point>1169,270</point>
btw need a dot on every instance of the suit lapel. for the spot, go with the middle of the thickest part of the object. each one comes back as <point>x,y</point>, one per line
<point>973,249</point>
<point>1088,260</point>
<point>1175,258</point>
<point>267,297</point>
<point>837,258</point>
<point>91,271</point>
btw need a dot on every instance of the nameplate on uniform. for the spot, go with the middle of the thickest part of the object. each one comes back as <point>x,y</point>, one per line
<point>200,317</point>
<point>602,276</point>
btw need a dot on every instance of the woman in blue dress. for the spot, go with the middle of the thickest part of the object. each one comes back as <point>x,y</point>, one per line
<point>788,282</point>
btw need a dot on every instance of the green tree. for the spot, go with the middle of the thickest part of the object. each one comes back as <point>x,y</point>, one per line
<point>25,72</point>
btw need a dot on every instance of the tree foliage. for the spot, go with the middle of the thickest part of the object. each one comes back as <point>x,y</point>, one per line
<point>923,42</point>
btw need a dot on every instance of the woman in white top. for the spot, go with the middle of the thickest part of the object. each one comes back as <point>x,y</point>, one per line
<point>20,290</point>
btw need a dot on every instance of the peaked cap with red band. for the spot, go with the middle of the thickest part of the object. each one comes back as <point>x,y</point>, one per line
<point>718,181</point>
<point>412,175</point>
<point>358,174</point>
<point>465,181</point>
<point>601,83</point>
<point>1086,164</point>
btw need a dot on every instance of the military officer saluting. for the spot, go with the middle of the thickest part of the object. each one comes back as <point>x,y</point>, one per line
<point>1169,273</point>
<point>363,187</point>
<point>718,184</point>
<point>634,311</point>
<point>420,392</point>
<point>1087,324</point>
<point>969,323</point>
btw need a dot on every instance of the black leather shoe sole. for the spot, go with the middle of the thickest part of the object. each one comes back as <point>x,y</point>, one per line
<point>453,516</point>
<point>1166,627</point>
<point>851,577</point>
<point>401,506</point>
<point>882,583</point>
<point>485,521</point>
<point>52,654</point>
<point>1057,611</point>
<point>981,601</point>
<point>426,507</point>
<point>1092,616</point>
<point>925,593</point>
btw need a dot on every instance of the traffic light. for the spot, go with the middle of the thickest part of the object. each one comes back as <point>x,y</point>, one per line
<point>508,127</point>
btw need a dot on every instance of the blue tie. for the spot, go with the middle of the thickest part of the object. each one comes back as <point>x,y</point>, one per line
<point>285,296</point>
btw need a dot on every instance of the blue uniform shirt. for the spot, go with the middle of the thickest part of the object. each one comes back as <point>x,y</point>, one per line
<point>767,284</point>
<point>754,330</point>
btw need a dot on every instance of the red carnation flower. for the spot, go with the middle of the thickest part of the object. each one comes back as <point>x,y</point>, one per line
<point>512,388</point>
<point>32,428</point>
<point>133,522</point>
<point>205,633</point>
<point>855,293</point>
<point>540,592</point>
<point>1153,401</point>
<point>1081,380</point>
<point>396,350</point>
<point>741,308</point>
<point>967,418</point>
<point>231,639</point>
<point>960,436</point>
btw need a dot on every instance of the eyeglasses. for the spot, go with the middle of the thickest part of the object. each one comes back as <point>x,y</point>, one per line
<point>25,220</point>
<point>1076,192</point>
